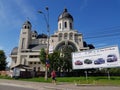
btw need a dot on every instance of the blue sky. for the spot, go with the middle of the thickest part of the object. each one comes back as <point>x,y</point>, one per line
<point>97,20</point>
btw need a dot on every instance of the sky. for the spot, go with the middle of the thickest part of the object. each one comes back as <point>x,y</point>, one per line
<point>97,20</point>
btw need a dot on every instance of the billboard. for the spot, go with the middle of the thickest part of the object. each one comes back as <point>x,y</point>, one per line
<point>96,58</point>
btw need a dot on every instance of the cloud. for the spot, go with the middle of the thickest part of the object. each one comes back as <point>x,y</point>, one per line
<point>14,12</point>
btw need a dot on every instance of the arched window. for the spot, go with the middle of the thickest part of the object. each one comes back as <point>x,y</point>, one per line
<point>28,27</point>
<point>38,68</point>
<point>60,36</point>
<point>25,27</point>
<point>25,61</point>
<point>71,36</point>
<point>65,24</point>
<point>65,36</point>
<point>60,26</point>
<point>70,25</point>
<point>23,43</point>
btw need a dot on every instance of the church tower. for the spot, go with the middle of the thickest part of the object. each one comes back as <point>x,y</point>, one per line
<point>65,21</point>
<point>25,36</point>
<point>66,35</point>
<point>24,42</point>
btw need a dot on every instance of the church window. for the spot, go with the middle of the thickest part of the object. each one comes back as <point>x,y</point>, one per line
<point>30,62</point>
<point>34,68</point>
<point>65,24</point>
<point>38,68</point>
<point>39,62</point>
<point>80,39</point>
<point>65,36</point>
<point>25,27</point>
<point>60,25</point>
<point>52,40</point>
<point>24,32</point>
<point>60,36</point>
<point>71,36</point>
<point>23,42</point>
<point>25,61</point>
<point>70,25</point>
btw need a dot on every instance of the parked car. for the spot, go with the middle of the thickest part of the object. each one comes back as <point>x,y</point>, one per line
<point>99,61</point>
<point>78,63</point>
<point>88,61</point>
<point>111,58</point>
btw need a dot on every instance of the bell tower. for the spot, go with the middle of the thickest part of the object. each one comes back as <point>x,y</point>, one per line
<point>65,21</point>
<point>25,36</point>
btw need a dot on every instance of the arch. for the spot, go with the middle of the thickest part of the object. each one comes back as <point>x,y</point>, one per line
<point>71,36</point>
<point>65,35</point>
<point>60,36</point>
<point>69,43</point>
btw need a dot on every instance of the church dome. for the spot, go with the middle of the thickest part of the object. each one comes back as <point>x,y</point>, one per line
<point>14,51</point>
<point>65,15</point>
<point>27,22</point>
<point>27,25</point>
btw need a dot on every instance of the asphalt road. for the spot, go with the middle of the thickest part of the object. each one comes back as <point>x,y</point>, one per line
<point>25,85</point>
<point>6,87</point>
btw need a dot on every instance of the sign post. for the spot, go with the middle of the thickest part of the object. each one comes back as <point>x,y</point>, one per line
<point>108,73</point>
<point>86,75</point>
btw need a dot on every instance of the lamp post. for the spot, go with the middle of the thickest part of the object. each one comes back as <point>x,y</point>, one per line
<point>46,17</point>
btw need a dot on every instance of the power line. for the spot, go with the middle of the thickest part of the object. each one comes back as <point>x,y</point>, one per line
<point>104,34</point>
<point>104,31</point>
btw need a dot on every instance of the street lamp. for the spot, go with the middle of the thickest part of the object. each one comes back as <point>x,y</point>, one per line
<point>46,17</point>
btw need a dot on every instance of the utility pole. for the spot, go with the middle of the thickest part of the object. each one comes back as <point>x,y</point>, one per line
<point>46,17</point>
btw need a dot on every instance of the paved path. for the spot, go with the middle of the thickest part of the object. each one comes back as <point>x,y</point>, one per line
<point>8,87</point>
<point>50,86</point>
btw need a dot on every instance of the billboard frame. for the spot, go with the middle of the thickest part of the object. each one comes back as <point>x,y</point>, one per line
<point>78,58</point>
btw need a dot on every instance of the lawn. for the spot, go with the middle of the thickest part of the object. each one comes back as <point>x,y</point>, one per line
<point>99,80</point>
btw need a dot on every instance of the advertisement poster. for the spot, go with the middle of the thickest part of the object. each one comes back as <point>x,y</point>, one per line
<point>96,58</point>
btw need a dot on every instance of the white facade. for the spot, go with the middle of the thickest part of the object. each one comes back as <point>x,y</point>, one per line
<point>30,42</point>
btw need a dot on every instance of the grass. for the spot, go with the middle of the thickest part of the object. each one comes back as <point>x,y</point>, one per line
<point>100,80</point>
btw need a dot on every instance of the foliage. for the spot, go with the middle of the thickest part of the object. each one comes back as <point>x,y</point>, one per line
<point>55,60</point>
<point>114,70</point>
<point>61,60</point>
<point>67,58</point>
<point>43,56</point>
<point>3,62</point>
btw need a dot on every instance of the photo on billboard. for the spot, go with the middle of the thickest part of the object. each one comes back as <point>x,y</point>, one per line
<point>106,57</point>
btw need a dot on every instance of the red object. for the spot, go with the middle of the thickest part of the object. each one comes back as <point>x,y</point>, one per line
<point>47,65</point>
<point>53,74</point>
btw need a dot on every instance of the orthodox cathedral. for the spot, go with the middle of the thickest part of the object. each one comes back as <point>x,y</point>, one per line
<point>30,42</point>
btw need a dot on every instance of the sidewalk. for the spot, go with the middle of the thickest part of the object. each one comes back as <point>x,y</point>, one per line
<point>51,86</point>
<point>39,85</point>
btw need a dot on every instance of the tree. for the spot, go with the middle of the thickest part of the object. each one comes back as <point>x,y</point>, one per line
<point>3,62</point>
<point>55,61</point>
<point>43,61</point>
<point>67,58</point>
<point>43,56</point>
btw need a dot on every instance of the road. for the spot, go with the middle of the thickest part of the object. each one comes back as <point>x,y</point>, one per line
<point>25,85</point>
<point>7,87</point>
